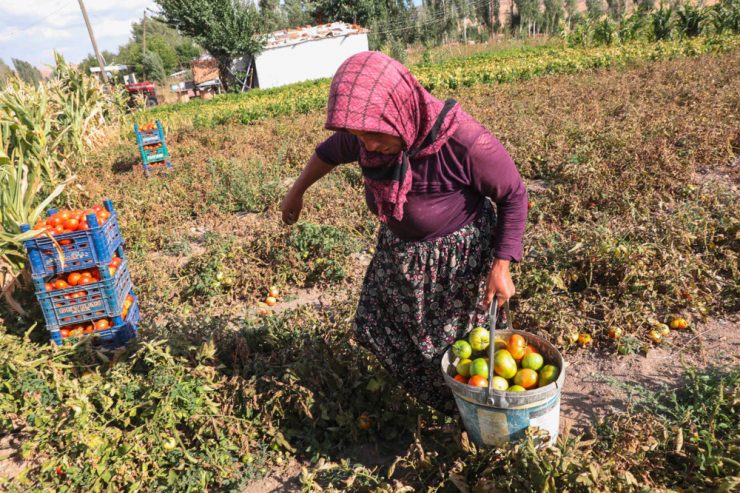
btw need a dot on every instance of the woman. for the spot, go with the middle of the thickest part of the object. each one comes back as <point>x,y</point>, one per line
<point>429,169</point>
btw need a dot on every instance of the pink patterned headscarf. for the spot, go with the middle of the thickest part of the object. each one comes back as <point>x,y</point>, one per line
<point>372,92</point>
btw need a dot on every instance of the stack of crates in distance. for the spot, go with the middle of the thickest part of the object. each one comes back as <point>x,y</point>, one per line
<point>150,139</point>
<point>82,278</point>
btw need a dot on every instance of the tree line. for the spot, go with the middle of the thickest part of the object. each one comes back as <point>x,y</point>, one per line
<point>182,31</point>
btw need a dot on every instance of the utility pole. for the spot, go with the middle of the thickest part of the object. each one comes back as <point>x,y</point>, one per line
<point>143,49</point>
<point>103,75</point>
<point>143,25</point>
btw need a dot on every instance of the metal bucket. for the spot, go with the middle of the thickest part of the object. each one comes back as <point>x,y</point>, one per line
<point>495,417</point>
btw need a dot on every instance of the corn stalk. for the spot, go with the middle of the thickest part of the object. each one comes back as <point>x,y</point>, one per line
<point>85,107</point>
<point>20,187</point>
<point>28,128</point>
<point>43,130</point>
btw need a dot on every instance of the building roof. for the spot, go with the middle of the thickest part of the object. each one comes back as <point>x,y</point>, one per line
<point>288,37</point>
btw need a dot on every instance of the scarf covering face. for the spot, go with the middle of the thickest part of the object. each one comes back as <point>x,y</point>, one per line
<point>372,92</point>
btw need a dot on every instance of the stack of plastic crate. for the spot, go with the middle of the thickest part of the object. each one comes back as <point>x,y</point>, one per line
<point>152,146</point>
<point>102,305</point>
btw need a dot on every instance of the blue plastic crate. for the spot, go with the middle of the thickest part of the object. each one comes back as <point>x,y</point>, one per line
<point>103,299</point>
<point>82,249</point>
<point>118,335</point>
<point>149,137</point>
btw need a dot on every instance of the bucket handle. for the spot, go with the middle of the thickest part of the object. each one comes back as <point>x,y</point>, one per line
<point>492,320</point>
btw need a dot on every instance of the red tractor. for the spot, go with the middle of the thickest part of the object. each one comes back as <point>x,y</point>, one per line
<point>147,89</point>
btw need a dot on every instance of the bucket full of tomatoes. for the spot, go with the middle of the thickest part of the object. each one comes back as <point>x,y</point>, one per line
<point>504,382</point>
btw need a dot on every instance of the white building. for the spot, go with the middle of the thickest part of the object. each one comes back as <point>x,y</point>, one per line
<point>309,53</point>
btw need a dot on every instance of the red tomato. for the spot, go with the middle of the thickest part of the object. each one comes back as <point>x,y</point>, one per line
<point>64,332</point>
<point>98,208</point>
<point>478,381</point>
<point>84,280</point>
<point>115,262</point>
<point>48,286</point>
<point>60,284</point>
<point>58,230</point>
<point>102,324</point>
<point>74,278</point>
<point>64,215</point>
<point>54,221</point>
<point>71,224</point>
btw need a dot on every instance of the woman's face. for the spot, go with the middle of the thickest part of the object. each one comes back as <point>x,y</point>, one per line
<point>378,142</point>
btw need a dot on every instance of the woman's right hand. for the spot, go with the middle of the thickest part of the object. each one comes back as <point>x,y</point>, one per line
<point>291,206</point>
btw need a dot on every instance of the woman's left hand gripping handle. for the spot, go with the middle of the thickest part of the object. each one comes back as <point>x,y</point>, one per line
<point>499,283</point>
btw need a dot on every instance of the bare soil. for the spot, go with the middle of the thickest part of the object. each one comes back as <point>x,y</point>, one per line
<point>279,480</point>
<point>588,395</point>
<point>11,464</point>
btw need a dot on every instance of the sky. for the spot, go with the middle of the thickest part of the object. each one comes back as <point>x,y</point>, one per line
<point>32,29</point>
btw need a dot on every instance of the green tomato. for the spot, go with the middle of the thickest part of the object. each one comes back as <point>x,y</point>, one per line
<point>479,367</point>
<point>479,338</point>
<point>462,349</point>
<point>463,368</point>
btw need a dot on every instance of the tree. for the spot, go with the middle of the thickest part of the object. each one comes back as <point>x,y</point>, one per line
<point>272,16</point>
<point>175,50</point>
<point>616,8</point>
<point>186,52</point>
<point>595,8</point>
<point>529,14</point>
<point>553,15</point>
<point>488,12</point>
<point>90,61</point>
<point>295,12</point>
<point>226,28</point>
<point>27,72</point>
<point>571,10</point>
<point>153,67</point>
<point>5,73</point>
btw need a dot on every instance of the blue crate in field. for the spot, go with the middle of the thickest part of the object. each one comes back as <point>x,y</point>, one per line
<point>122,332</point>
<point>79,249</point>
<point>145,137</point>
<point>157,155</point>
<point>90,302</point>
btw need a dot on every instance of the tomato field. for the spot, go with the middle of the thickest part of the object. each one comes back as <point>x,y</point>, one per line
<point>629,153</point>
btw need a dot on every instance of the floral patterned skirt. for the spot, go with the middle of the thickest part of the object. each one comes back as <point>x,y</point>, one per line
<point>418,297</point>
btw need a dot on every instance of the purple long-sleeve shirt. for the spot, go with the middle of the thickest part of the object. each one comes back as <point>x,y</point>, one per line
<point>450,187</point>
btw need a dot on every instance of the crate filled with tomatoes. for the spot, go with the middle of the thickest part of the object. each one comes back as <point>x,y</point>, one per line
<point>81,274</point>
<point>153,149</point>
<point>73,240</point>
<point>109,331</point>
